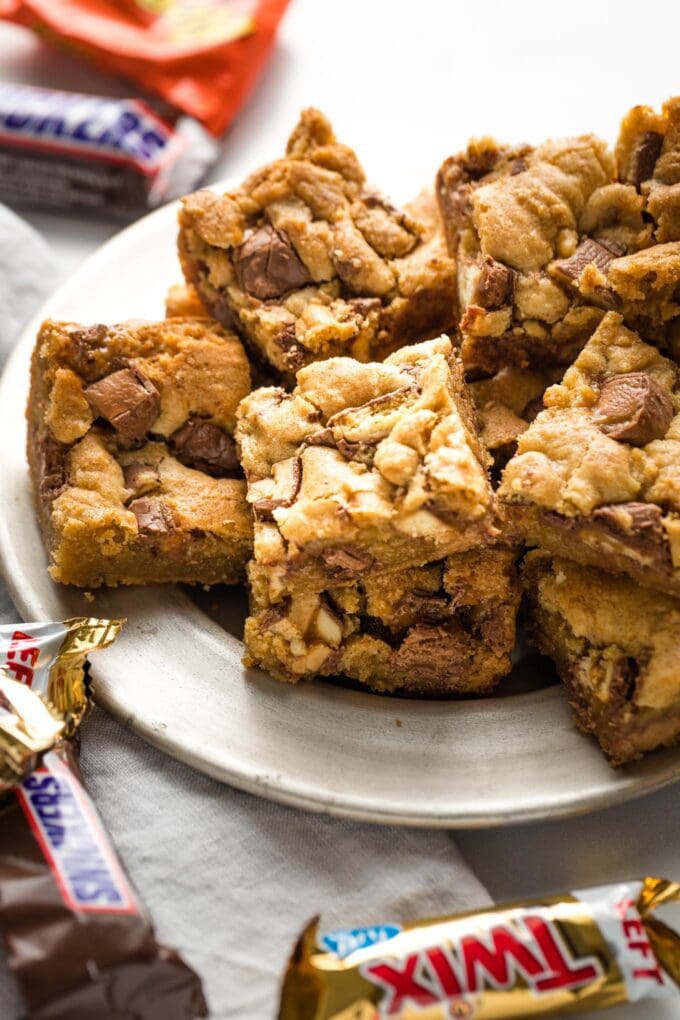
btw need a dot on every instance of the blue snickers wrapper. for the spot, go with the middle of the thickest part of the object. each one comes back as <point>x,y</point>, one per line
<point>78,939</point>
<point>70,151</point>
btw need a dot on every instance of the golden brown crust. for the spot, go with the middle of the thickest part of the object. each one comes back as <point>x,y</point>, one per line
<point>446,628</point>
<point>381,462</point>
<point>309,263</point>
<point>596,474</point>
<point>616,647</point>
<point>131,452</point>
<point>573,232</point>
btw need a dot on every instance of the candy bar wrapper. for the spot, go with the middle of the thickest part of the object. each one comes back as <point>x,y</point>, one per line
<point>583,950</point>
<point>78,938</point>
<point>43,686</point>
<point>201,56</point>
<point>119,157</point>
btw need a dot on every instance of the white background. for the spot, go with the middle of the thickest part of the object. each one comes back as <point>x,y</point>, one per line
<point>406,83</point>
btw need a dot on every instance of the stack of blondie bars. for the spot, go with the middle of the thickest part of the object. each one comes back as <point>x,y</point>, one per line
<point>456,403</point>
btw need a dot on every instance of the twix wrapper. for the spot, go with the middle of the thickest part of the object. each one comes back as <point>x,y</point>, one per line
<point>50,659</point>
<point>586,949</point>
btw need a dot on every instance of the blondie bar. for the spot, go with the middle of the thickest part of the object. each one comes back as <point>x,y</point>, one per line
<point>307,262</point>
<point>440,629</point>
<point>596,477</point>
<point>548,239</point>
<point>616,648</point>
<point>131,451</point>
<point>364,468</point>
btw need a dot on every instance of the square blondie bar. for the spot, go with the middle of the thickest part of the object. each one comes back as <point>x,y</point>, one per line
<point>596,477</point>
<point>548,239</point>
<point>364,468</point>
<point>616,648</point>
<point>131,450</point>
<point>307,262</point>
<point>441,629</point>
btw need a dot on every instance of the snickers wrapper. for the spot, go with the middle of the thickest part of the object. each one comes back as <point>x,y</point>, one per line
<point>77,936</point>
<point>583,950</point>
<point>43,687</point>
<point>119,157</point>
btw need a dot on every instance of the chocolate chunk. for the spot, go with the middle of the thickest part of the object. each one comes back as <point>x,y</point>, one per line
<point>518,166</point>
<point>126,399</point>
<point>433,653</point>
<point>268,266</point>
<point>264,508</point>
<point>633,408</point>
<point>140,478</point>
<point>495,285</point>
<point>424,606</point>
<point>154,517</point>
<point>640,526</point>
<point>644,157</point>
<point>347,563</point>
<point>363,453</point>
<point>365,305</point>
<point>599,253</point>
<point>295,354</point>
<point>85,342</point>
<point>206,447</point>
<point>52,455</point>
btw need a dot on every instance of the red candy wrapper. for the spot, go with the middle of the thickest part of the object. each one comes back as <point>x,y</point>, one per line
<point>201,56</point>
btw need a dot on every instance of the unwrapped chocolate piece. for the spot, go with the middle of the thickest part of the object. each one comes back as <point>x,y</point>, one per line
<point>580,950</point>
<point>78,939</point>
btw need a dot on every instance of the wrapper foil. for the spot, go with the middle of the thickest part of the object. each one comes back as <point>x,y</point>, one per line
<point>583,950</point>
<point>43,687</point>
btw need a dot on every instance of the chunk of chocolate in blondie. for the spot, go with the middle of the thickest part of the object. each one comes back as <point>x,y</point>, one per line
<point>307,262</point>
<point>596,477</point>
<point>132,455</point>
<point>446,628</point>
<point>365,468</point>
<point>547,240</point>
<point>616,648</point>
<point>648,158</point>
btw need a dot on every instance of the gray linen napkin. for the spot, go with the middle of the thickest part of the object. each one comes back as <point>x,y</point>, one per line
<point>229,879</point>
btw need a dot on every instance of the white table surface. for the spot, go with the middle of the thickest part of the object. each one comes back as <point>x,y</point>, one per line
<point>406,84</point>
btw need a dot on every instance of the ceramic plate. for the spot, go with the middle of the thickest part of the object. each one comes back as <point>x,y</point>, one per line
<point>175,675</point>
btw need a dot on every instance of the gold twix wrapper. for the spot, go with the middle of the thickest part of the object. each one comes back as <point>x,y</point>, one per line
<point>582,950</point>
<point>43,689</point>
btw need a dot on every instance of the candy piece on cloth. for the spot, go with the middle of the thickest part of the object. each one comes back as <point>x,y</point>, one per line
<point>50,658</point>
<point>77,937</point>
<point>67,150</point>
<point>580,950</point>
<point>202,58</point>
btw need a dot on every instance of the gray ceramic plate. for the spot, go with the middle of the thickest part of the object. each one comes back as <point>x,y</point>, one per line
<point>175,675</point>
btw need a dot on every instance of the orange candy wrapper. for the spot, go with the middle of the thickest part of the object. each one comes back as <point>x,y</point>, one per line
<point>201,56</point>
<point>586,949</point>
